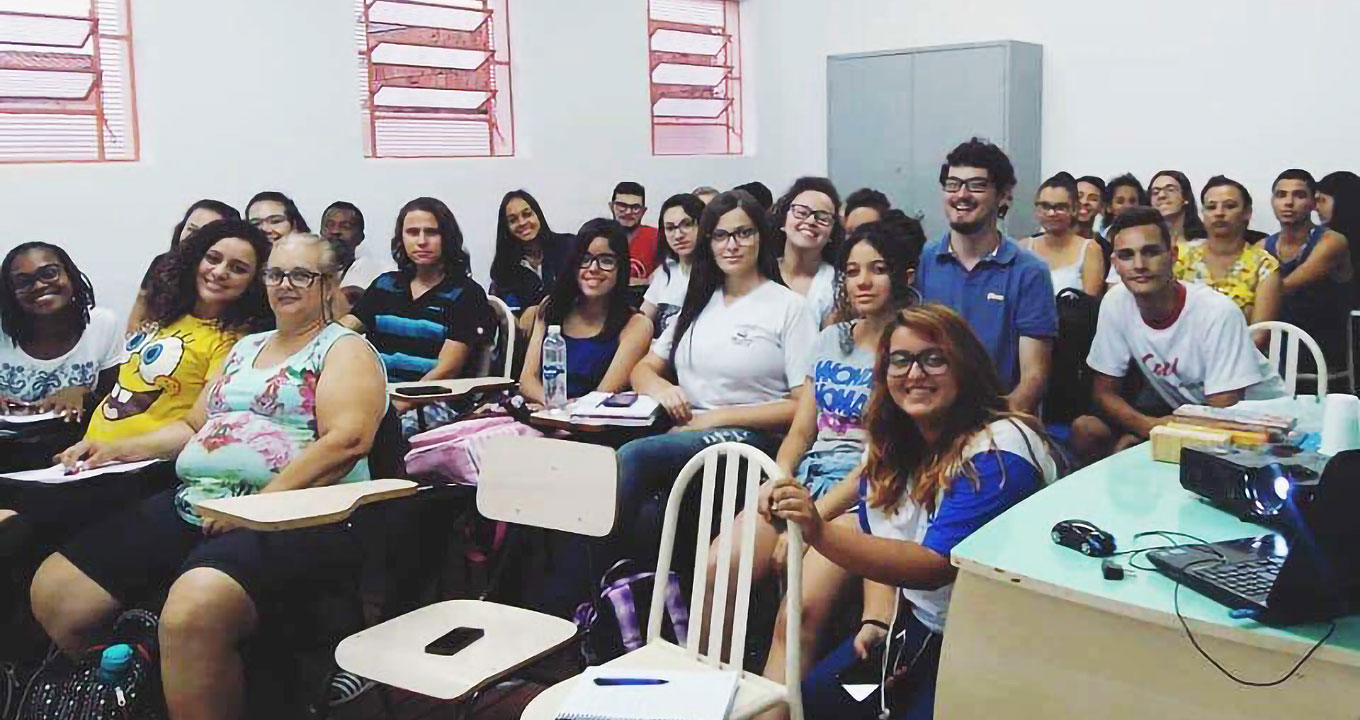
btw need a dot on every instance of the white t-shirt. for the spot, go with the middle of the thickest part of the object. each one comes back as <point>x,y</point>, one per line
<point>29,379</point>
<point>752,351</point>
<point>1207,350</point>
<point>370,261</point>
<point>821,294</point>
<point>667,293</point>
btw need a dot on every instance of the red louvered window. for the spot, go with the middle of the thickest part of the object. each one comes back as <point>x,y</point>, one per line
<point>435,78</point>
<point>66,85</point>
<point>695,66</point>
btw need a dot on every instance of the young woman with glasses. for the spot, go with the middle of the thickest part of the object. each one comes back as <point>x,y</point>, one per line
<point>1073,261</point>
<point>680,228</point>
<point>1171,194</point>
<point>429,317</point>
<point>808,218</point>
<point>55,346</point>
<point>944,456</point>
<point>605,336</point>
<point>724,370</point>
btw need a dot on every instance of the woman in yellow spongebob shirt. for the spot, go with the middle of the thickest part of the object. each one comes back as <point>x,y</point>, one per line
<point>206,296</point>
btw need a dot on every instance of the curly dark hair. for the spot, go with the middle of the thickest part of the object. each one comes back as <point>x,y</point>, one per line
<point>780,215</point>
<point>174,287</point>
<point>978,153</point>
<point>899,241</point>
<point>13,320</point>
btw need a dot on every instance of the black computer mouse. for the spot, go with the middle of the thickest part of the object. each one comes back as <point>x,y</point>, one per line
<point>1084,537</point>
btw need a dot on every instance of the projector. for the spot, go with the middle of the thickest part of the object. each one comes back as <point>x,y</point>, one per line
<point>1255,485</point>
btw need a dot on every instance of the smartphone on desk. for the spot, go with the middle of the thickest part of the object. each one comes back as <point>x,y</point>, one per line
<point>455,640</point>
<point>422,390</point>
<point>620,400</point>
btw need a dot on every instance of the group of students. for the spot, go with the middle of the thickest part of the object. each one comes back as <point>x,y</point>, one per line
<point>897,381</point>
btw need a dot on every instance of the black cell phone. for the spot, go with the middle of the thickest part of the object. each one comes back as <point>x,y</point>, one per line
<point>422,390</point>
<point>620,400</point>
<point>454,640</point>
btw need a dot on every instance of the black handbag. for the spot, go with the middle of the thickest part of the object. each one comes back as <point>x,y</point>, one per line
<point>74,690</point>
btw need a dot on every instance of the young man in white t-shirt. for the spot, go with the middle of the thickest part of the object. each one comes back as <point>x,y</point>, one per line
<point>1190,342</point>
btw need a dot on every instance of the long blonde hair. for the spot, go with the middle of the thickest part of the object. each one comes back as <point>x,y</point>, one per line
<point>899,461</point>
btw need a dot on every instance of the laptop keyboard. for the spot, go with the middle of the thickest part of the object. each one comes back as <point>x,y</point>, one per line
<point>1251,579</point>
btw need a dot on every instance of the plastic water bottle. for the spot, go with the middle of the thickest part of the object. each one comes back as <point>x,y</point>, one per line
<point>555,369</point>
<point>114,663</point>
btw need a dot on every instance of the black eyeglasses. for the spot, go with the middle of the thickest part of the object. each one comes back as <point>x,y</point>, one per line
<point>803,212</point>
<point>629,208</point>
<point>683,225</point>
<point>46,274</point>
<point>1052,208</point>
<point>744,236</point>
<point>300,278</point>
<point>605,261</point>
<point>931,360</point>
<point>974,185</point>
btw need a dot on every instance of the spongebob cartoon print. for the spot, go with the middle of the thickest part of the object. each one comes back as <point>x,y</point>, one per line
<point>164,372</point>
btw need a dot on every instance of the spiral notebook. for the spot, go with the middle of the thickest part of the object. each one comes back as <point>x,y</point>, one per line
<point>684,696</point>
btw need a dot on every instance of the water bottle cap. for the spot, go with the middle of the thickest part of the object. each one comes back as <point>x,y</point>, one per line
<point>555,329</point>
<point>115,657</point>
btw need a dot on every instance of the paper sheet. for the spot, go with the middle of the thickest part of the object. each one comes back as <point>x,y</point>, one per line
<point>25,419</point>
<point>56,475</point>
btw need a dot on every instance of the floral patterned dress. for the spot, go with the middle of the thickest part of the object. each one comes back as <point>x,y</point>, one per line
<point>1239,284</point>
<point>259,420</point>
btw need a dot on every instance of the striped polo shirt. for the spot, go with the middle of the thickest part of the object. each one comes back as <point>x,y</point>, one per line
<point>409,332</point>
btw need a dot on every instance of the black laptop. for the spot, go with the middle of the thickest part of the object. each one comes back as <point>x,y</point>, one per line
<point>1308,572</point>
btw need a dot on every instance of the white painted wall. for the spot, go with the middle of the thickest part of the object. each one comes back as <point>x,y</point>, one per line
<point>1241,87</point>
<point>247,95</point>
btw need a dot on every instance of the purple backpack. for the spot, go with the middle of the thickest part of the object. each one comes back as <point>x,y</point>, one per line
<point>615,622</point>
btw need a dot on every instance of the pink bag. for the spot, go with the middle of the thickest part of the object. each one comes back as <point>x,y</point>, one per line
<point>450,454</point>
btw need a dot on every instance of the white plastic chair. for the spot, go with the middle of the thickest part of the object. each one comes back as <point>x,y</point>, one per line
<point>755,694</point>
<point>1293,335</point>
<point>505,338</point>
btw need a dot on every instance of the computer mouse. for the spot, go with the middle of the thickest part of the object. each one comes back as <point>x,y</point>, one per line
<point>1084,537</point>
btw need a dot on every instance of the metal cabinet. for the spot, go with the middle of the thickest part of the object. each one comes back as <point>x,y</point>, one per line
<point>894,115</point>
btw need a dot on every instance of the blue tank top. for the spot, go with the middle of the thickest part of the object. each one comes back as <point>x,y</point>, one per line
<point>1320,309</point>
<point>588,360</point>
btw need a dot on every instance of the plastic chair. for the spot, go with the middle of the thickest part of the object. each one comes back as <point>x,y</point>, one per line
<point>1293,335</point>
<point>755,694</point>
<point>506,330</point>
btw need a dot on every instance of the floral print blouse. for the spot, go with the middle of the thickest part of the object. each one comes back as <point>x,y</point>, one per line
<point>259,421</point>
<point>1239,284</point>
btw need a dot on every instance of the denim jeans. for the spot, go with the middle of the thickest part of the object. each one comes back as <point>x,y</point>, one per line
<point>913,694</point>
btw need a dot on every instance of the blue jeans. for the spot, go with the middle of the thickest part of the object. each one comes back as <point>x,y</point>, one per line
<point>647,471</point>
<point>913,689</point>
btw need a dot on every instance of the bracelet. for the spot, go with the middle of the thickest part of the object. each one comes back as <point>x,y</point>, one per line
<point>875,623</point>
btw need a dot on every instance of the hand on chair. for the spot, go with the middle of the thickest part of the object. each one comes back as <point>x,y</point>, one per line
<point>792,502</point>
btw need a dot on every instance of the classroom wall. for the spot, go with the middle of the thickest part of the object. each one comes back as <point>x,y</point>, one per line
<point>1246,88</point>
<point>241,96</point>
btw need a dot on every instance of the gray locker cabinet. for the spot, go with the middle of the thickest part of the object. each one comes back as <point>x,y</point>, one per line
<point>892,116</point>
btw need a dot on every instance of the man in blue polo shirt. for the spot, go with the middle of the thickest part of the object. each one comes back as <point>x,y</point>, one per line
<point>1003,291</point>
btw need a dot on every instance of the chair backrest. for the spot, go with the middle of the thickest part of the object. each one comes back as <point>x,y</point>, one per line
<point>758,467</point>
<point>554,484</point>
<point>504,344</point>
<point>1292,335</point>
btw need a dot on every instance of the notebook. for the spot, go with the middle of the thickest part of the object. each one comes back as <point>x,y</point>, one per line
<point>703,695</point>
<point>644,408</point>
